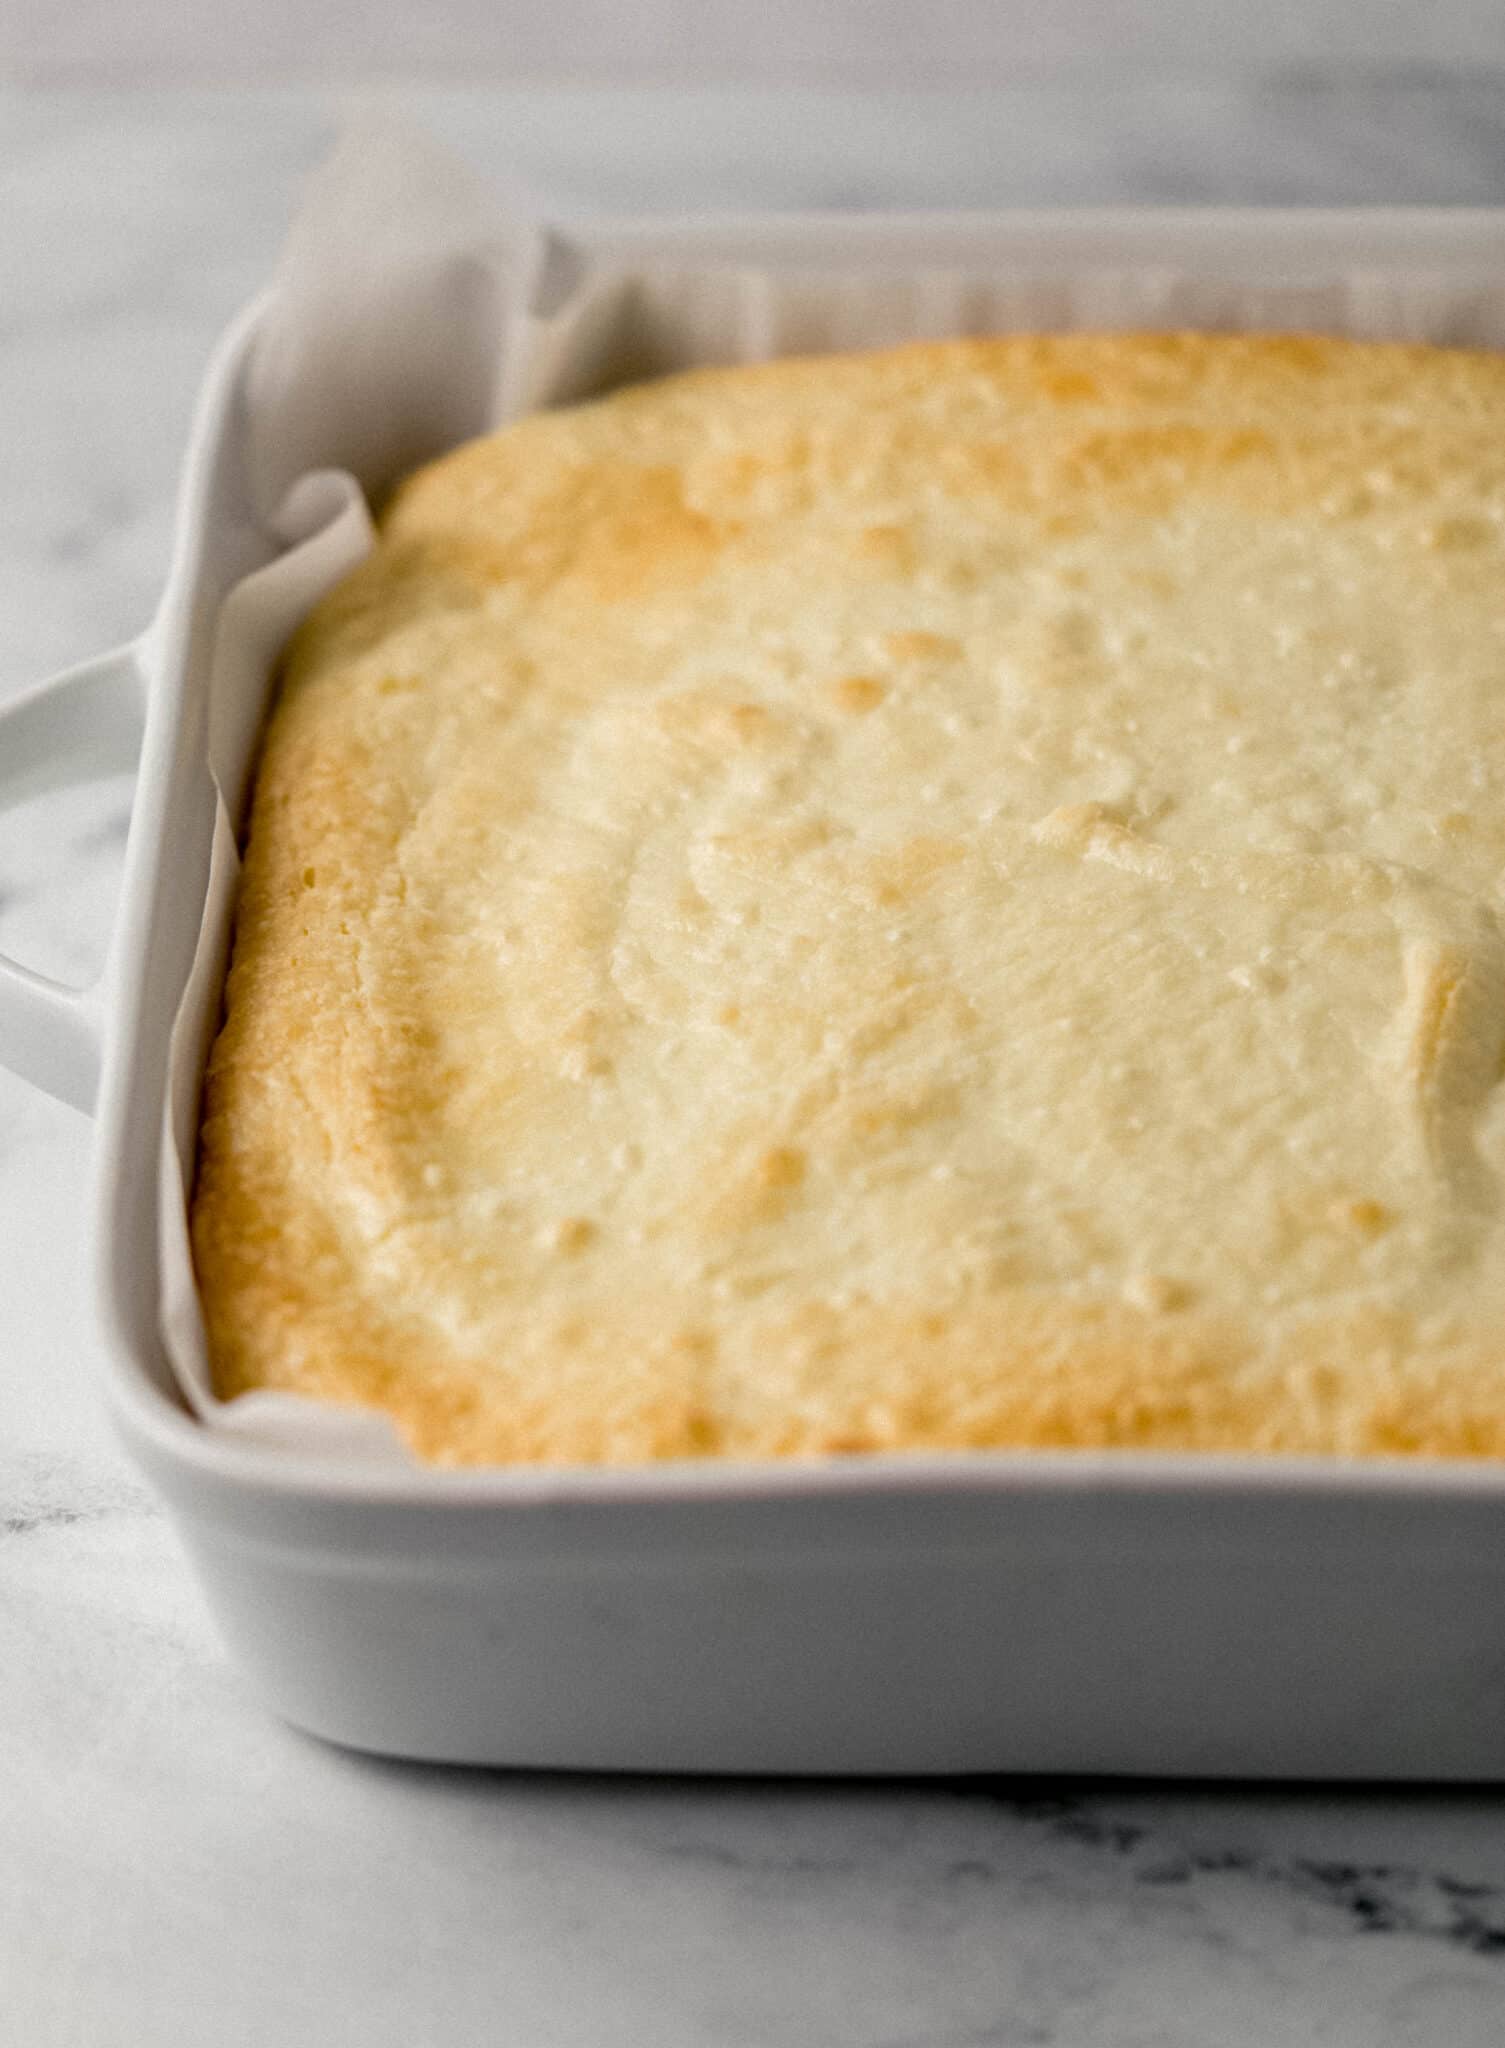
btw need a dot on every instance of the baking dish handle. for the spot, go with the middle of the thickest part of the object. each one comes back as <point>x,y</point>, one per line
<point>82,724</point>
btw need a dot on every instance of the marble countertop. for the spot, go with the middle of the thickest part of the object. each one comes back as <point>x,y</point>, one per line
<point>176,1866</point>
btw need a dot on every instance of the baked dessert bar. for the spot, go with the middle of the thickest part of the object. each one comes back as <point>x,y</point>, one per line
<point>938,898</point>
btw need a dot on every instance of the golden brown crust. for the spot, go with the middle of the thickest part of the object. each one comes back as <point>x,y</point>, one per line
<point>938,898</point>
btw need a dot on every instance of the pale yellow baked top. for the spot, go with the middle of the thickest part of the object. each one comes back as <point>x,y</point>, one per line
<point>939,898</point>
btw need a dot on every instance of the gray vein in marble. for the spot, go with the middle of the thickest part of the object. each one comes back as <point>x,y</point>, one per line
<point>44,1491</point>
<point>1373,1898</point>
<point>28,1521</point>
<point>1366,1898</point>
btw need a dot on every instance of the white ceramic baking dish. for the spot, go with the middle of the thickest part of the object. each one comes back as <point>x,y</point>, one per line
<point>1062,1613</point>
